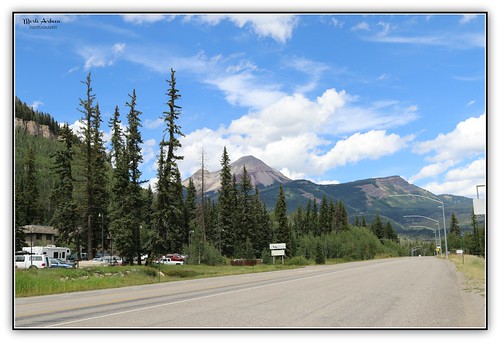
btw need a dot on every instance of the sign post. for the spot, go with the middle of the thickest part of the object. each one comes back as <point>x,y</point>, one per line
<point>277,249</point>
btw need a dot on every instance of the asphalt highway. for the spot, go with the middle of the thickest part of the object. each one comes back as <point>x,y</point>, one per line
<point>412,292</point>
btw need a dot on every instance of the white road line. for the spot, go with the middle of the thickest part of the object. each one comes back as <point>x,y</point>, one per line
<point>209,296</point>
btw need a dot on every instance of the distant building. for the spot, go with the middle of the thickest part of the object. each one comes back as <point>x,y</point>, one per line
<point>39,235</point>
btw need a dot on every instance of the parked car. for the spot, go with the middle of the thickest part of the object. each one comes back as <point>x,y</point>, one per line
<point>169,261</point>
<point>56,263</point>
<point>25,261</point>
<point>74,256</point>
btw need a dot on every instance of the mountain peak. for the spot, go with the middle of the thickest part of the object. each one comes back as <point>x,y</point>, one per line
<point>260,174</point>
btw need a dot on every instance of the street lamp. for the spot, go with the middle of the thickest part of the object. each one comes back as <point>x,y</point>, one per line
<point>434,220</point>
<point>442,208</point>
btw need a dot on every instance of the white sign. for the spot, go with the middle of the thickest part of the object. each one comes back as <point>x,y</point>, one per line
<point>275,246</point>
<point>277,252</point>
<point>479,206</point>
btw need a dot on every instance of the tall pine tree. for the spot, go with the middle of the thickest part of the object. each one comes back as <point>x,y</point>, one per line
<point>226,208</point>
<point>65,215</point>
<point>134,195</point>
<point>169,212</point>
<point>283,229</point>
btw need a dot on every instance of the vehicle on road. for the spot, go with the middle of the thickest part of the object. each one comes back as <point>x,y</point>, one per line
<point>56,263</point>
<point>169,261</point>
<point>34,261</point>
<point>175,257</point>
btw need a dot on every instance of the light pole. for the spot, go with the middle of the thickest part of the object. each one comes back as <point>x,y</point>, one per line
<point>442,207</point>
<point>434,220</point>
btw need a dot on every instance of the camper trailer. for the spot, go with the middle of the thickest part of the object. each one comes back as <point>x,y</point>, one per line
<point>51,251</point>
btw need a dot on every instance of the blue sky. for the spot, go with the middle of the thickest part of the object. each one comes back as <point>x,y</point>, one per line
<point>327,97</point>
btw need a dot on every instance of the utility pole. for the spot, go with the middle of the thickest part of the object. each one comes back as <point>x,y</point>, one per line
<point>202,214</point>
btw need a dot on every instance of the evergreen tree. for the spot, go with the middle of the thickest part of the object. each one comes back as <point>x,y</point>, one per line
<point>283,230</point>
<point>119,208</point>
<point>245,213</point>
<point>341,216</point>
<point>88,111</point>
<point>320,254</point>
<point>100,181</point>
<point>134,158</point>
<point>29,194</point>
<point>308,218</point>
<point>454,228</point>
<point>323,222</point>
<point>389,232</point>
<point>190,207</point>
<point>477,241</point>
<point>169,211</point>
<point>299,224</point>
<point>65,215</point>
<point>19,220</point>
<point>94,203</point>
<point>377,227</point>
<point>314,218</point>
<point>261,224</point>
<point>225,208</point>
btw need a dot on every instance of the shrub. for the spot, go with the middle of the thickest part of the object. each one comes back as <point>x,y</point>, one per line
<point>297,261</point>
<point>320,254</point>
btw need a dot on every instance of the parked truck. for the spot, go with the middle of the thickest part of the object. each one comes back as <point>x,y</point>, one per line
<point>50,251</point>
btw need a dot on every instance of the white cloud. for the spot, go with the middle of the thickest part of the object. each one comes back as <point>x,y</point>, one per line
<point>278,27</point>
<point>101,56</point>
<point>245,90</point>
<point>294,134</point>
<point>467,18</point>
<point>370,145</point>
<point>153,124</point>
<point>474,170</point>
<point>361,26</point>
<point>36,104</point>
<point>432,170</point>
<point>139,19</point>
<point>468,139</point>
<point>461,181</point>
<point>148,150</point>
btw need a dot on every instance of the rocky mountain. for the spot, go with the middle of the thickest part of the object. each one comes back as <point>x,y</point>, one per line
<point>35,129</point>
<point>260,173</point>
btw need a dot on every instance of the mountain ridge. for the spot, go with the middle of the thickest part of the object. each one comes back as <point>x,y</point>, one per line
<point>391,197</point>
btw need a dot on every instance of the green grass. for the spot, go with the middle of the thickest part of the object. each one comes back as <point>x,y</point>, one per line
<point>473,269</point>
<point>53,281</point>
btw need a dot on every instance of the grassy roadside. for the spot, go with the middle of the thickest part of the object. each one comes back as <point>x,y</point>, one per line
<point>53,281</point>
<point>473,269</point>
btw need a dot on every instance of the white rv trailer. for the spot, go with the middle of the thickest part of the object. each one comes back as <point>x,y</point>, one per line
<point>50,251</point>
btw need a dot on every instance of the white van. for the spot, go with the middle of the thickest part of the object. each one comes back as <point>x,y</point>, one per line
<point>26,261</point>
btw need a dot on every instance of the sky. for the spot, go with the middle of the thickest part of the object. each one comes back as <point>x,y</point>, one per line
<point>328,97</point>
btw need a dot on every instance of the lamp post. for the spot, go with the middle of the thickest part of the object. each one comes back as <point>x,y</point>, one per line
<point>442,207</point>
<point>434,220</point>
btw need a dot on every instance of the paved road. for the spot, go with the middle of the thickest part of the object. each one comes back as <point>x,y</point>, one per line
<point>401,292</point>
